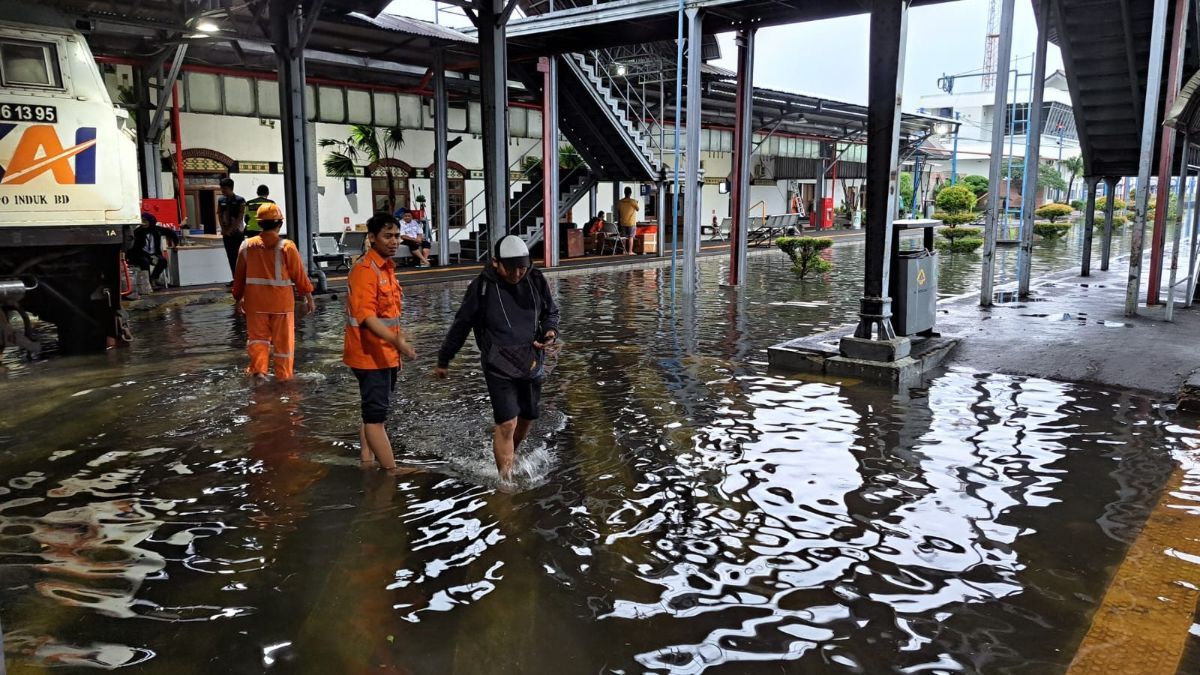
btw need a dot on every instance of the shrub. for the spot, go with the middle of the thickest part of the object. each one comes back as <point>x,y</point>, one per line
<point>1118,221</point>
<point>1053,212</point>
<point>1102,203</point>
<point>959,244</point>
<point>960,232</point>
<point>1051,231</point>
<point>976,184</point>
<point>805,253</point>
<point>955,199</point>
<point>963,218</point>
<point>1077,204</point>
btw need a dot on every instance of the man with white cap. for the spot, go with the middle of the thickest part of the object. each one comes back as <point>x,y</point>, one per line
<point>514,317</point>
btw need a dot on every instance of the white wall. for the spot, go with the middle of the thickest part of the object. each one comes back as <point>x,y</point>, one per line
<point>247,139</point>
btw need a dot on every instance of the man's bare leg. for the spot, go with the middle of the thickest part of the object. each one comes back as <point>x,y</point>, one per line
<point>503,447</point>
<point>520,433</point>
<point>364,454</point>
<point>380,446</point>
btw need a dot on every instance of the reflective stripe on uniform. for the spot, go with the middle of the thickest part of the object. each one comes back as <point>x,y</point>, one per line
<point>277,355</point>
<point>390,322</point>
<point>279,279</point>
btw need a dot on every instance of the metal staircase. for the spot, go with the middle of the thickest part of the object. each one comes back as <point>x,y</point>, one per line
<point>526,208</point>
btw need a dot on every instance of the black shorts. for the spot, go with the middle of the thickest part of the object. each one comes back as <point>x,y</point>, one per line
<point>375,388</point>
<point>414,246</point>
<point>627,231</point>
<point>514,398</point>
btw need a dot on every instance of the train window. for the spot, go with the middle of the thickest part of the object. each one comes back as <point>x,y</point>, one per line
<point>29,64</point>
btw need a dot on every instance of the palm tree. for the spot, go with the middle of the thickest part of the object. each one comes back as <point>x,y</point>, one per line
<point>366,145</point>
<point>1074,166</point>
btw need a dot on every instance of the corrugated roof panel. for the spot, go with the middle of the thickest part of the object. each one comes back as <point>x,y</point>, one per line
<point>410,26</point>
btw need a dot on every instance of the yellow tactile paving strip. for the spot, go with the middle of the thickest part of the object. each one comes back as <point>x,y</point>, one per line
<point>1142,624</point>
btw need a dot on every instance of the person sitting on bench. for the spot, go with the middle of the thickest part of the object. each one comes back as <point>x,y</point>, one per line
<point>412,235</point>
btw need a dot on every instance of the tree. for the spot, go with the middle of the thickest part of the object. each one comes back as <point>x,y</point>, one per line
<point>956,199</point>
<point>906,190</point>
<point>976,184</point>
<point>1074,167</point>
<point>1048,176</point>
<point>366,145</point>
<point>805,253</point>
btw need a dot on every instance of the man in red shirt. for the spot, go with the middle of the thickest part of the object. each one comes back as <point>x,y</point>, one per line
<point>374,342</point>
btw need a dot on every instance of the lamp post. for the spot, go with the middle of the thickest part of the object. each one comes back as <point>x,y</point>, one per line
<point>1060,149</point>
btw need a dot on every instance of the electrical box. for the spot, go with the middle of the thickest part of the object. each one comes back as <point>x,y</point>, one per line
<point>914,306</point>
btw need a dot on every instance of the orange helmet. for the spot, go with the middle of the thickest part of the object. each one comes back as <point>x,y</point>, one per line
<point>269,212</point>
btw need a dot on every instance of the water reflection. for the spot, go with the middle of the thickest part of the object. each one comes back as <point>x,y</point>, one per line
<point>682,508</point>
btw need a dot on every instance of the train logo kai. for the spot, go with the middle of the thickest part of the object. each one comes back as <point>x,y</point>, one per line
<point>39,151</point>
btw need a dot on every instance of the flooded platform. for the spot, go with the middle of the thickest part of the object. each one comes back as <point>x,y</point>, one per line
<point>683,508</point>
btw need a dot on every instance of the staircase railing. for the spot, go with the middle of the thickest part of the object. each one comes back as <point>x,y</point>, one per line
<point>637,108</point>
<point>469,223</point>
<point>600,94</point>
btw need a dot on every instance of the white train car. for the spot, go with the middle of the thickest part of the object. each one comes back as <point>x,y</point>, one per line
<point>68,189</point>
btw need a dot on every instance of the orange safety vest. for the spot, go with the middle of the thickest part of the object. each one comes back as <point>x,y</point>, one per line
<point>270,276</point>
<point>373,291</point>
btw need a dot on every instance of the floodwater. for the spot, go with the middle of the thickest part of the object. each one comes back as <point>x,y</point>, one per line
<point>680,508</point>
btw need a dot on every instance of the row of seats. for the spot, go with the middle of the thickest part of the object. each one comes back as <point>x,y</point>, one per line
<point>341,249</point>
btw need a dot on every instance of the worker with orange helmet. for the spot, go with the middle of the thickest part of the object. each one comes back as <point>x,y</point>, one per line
<point>268,276</point>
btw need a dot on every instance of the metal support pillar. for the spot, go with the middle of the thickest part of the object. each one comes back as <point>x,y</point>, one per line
<point>1033,153</point>
<point>1110,198</point>
<point>1181,195</point>
<point>691,181</point>
<point>441,176</point>
<point>889,33</point>
<point>1194,244</point>
<point>616,197</point>
<point>1166,153</point>
<point>816,215</point>
<point>1137,239</point>
<point>594,202</point>
<point>550,176</point>
<point>493,77</point>
<point>992,224</point>
<point>298,155</point>
<point>1089,224</point>
<point>662,215</point>
<point>742,136</point>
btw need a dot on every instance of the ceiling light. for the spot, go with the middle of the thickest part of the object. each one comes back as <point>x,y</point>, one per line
<point>620,70</point>
<point>206,26</point>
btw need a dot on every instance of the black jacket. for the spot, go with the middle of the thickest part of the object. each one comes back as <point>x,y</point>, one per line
<point>507,319</point>
<point>147,242</point>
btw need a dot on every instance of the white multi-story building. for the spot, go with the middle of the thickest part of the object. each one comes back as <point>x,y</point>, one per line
<point>973,107</point>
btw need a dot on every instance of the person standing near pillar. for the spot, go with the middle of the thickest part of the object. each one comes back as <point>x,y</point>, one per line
<point>231,212</point>
<point>266,278</point>
<point>252,207</point>
<point>374,342</point>
<point>627,210</point>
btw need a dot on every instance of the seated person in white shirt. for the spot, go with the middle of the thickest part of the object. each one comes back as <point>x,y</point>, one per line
<point>412,235</point>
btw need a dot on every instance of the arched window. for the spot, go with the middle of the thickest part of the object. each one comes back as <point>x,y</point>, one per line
<point>457,178</point>
<point>388,175</point>
<point>203,170</point>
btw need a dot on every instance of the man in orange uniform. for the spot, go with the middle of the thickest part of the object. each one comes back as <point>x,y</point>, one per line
<point>374,341</point>
<point>269,273</point>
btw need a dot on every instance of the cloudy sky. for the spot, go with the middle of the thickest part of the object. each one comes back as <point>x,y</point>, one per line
<point>829,58</point>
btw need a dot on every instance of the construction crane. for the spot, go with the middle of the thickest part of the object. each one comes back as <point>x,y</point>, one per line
<point>990,42</point>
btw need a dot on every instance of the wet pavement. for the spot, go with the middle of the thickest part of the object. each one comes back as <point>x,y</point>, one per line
<point>680,508</point>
